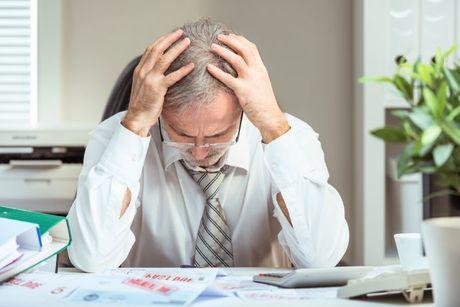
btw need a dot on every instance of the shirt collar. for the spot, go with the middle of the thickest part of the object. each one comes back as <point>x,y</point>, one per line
<point>237,155</point>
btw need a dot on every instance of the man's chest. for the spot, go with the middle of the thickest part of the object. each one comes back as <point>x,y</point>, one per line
<point>174,198</point>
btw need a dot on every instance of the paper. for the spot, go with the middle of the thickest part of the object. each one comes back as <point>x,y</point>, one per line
<point>186,275</point>
<point>125,287</point>
<point>9,258</point>
<point>40,286</point>
<point>146,286</point>
<point>239,283</point>
<point>136,291</point>
<point>289,294</point>
<point>377,271</point>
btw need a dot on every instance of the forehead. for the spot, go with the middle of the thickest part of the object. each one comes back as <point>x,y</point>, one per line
<point>216,115</point>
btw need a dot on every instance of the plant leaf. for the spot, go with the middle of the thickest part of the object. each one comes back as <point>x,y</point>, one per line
<point>432,102</point>
<point>378,79</point>
<point>407,126</point>
<point>450,51</point>
<point>453,114</point>
<point>390,134</point>
<point>430,135</point>
<point>441,153</point>
<point>425,72</point>
<point>421,118</point>
<point>451,79</point>
<point>404,87</point>
<point>401,114</point>
<point>441,95</point>
<point>451,131</point>
<point>405,159</point>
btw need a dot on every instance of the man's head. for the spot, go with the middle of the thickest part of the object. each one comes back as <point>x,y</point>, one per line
<point>200,109</point>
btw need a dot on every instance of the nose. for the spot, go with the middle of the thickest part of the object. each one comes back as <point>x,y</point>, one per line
<point>199,153</point>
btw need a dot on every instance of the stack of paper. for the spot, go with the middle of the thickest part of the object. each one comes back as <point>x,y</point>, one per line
<point>28,238</point>
<point>18,241</point>
<point>8,252</point>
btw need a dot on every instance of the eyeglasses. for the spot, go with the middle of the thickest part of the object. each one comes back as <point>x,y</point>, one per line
<point>188,146</point>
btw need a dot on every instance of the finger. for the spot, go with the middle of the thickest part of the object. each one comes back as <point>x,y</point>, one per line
<point>165,61</point>
<point>222,76</point>
<point>246,41</point>
<point>148,50</point>
<point>234,59</point>
<point>241,48</point>
<point>177,75</point>
<point>158,49</point>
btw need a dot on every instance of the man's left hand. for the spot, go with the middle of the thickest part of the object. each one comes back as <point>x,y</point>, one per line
<point>252,86</point>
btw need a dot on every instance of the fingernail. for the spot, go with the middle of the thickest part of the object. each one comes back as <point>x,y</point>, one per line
<point>220,36</point>
<point>187,40</point>
<point>179,31</point>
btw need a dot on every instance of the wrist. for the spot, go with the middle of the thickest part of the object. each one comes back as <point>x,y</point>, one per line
<point>276,129</point>
<point>136,126</point>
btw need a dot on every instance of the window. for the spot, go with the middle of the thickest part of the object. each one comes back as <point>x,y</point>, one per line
<point>18,62</point>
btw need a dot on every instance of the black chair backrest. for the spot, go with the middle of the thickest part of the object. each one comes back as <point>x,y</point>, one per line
<point>121,92</point>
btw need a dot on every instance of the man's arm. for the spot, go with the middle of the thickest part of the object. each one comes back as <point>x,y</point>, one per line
<point>102,213</point>
<point>314,230</point>
<point>283,207</point>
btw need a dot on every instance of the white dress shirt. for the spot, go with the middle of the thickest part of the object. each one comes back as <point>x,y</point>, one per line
<point>160,226</point>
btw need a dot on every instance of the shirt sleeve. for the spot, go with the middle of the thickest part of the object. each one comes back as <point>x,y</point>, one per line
<point>319,233</point>
<point>113,163</point>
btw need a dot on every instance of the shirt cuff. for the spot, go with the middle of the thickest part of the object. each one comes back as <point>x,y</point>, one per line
<point>125,154</point>
<point>287,161</point>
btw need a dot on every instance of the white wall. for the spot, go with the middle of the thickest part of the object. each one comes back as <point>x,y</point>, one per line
<point>306,46</point>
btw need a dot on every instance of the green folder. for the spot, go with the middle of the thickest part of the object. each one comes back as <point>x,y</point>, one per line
<point>55,226</point>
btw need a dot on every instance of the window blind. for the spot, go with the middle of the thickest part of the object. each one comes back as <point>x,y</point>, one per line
<point>18,62</point>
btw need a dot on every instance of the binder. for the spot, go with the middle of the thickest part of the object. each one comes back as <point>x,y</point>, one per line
<point>54,235</point>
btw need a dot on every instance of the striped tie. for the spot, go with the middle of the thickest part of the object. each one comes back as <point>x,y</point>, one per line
<point>213,244</point>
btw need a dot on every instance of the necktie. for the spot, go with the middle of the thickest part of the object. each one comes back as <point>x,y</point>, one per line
<point>213,246</point>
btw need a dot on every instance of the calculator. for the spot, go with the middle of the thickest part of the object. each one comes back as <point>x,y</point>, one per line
<point>316,277</point>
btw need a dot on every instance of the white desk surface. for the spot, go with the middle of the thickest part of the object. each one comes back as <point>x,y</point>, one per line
<point>236,302</point>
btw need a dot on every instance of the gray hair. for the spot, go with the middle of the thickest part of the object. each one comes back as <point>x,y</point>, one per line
<point>198,87</point>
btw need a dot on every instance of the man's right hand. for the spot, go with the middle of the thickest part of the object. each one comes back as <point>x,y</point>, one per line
<point>150,83</point>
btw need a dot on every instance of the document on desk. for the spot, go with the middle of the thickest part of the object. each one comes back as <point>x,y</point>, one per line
<point>136,291</point>
<point>145,286</point>
<point>40,286</point>
<point>238,283</point>
<point>160,287</point>
<point>185,275</point>
<point>289,294</point>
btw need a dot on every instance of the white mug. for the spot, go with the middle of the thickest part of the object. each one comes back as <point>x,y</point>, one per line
<point>410,251</point>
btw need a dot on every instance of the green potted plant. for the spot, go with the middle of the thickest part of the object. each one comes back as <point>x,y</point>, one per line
<point>430,130</point>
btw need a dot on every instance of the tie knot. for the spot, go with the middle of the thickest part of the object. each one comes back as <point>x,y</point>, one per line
<point>209,182</point>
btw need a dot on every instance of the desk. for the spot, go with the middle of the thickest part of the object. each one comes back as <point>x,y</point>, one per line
<point>234,301</point>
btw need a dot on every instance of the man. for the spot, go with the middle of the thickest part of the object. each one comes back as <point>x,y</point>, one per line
<point>204,168</point>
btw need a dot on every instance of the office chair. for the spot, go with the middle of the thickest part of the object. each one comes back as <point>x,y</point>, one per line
<point>119,97</point>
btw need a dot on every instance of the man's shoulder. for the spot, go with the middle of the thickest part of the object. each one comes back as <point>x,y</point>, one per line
<point>296,123</point>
